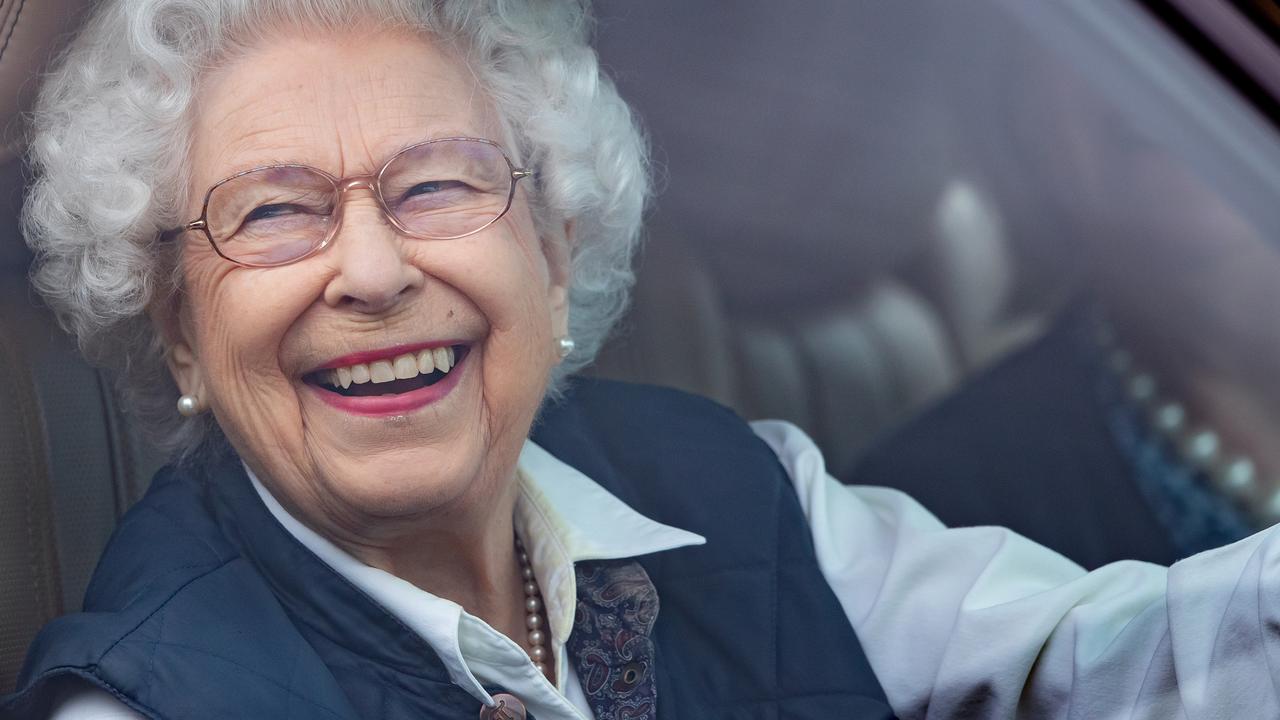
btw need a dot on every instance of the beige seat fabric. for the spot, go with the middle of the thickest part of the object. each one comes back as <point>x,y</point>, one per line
<point>843,368</point>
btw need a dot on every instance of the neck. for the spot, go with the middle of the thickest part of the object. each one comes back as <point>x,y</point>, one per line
<point>465,554</point>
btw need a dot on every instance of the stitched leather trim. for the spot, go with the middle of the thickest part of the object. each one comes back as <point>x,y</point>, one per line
<point>17,17</point>
<point>31,476</point>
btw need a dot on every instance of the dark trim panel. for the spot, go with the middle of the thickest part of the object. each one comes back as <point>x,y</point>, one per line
<point>1229,43</point>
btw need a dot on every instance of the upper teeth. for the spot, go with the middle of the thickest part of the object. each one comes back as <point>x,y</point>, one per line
<point>400,367</point>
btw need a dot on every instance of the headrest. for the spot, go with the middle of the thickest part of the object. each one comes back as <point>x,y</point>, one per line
<point>31,33</point>
<point>14,255</point>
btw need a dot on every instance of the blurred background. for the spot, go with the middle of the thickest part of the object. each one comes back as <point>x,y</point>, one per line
<point>1016,258</point>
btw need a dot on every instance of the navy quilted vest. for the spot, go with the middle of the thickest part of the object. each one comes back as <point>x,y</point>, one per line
<point>204,607</point>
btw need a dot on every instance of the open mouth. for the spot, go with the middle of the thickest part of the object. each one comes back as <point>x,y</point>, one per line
<point>391,376</point>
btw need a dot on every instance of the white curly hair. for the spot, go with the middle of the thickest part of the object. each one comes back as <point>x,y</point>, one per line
<point>111,126</point>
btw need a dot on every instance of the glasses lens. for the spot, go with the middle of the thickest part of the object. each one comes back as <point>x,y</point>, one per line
<point>271,216</point>
<point>447,188</point>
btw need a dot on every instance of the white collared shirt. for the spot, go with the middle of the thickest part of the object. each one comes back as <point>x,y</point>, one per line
<point>566,518</point>
<point>975,618</point>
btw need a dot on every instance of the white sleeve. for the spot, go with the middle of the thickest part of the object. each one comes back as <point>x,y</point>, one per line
<point>981,622</point>
<point>85,701</point>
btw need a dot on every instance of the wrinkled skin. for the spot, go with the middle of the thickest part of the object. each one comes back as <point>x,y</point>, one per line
<point>428,495</point>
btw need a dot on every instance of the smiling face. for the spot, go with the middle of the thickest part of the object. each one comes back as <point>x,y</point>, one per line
<point>263,347</point>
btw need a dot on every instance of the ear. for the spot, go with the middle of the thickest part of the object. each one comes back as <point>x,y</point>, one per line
<point>171,325</point>
<point>558,252</point>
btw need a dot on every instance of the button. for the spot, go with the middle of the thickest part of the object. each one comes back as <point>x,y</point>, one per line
<point>630,676</point>
<point>504,707</point>
<point>632,673</point>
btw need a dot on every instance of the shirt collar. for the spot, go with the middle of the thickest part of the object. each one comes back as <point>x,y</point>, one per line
<point>563,516</point>
<point>594,524</point>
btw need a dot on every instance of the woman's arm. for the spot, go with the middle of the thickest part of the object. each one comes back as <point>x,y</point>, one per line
<point>85,701</point>
<point>981,622</point>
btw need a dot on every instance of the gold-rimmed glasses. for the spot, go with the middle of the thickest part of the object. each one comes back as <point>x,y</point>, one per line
<point>439,189</point>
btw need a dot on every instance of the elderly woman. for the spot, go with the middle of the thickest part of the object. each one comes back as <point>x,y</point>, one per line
<point>361,244</point>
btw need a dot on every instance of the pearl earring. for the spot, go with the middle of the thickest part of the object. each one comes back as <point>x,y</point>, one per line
<point>567,345</point>
<point>188,406</point>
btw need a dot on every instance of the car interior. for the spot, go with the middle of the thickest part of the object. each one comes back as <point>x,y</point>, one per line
<point>847,226</point>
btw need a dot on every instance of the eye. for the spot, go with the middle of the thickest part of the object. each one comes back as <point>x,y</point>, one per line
<point>432,187</point>
<point>267,212</point>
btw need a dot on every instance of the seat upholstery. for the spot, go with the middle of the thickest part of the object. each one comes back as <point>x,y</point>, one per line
<point>843,369</point>
<point>813,254</point>
<point>69,462</point>
<point>30,32</point>
<point>30,591</point>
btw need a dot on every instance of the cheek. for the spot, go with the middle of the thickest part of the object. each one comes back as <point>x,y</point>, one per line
<point>506,277</point>
<point>240,317</point>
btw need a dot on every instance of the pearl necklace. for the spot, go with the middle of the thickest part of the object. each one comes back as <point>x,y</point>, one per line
<point>534,621</point>
<point>1199,446</point>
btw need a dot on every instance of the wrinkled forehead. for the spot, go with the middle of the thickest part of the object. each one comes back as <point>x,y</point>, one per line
<point>343,104</point>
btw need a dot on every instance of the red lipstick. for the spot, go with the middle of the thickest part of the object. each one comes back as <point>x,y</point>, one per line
<point>392,404</point>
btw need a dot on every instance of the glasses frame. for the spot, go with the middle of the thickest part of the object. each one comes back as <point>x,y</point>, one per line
<point>371,182</point>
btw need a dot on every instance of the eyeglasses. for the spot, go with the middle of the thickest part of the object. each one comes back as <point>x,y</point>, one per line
<point>274,215</point>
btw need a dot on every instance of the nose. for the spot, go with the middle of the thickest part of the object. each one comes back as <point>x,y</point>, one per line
<point>374,273</point>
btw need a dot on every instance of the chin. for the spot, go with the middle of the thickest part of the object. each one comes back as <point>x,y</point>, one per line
<point>407,482</point>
